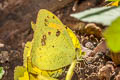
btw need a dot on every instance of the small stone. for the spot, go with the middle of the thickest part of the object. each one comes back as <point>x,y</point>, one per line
<point>117,77</point>
<point>89,45</point>
<point>60,0</point>
<point>1,45</point>
<point>4,56</point>
<point>106,72</point>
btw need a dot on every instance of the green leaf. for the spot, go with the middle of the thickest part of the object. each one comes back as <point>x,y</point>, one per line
<point>102,15</point>
<point>1,72</point>
<point>112,35</point>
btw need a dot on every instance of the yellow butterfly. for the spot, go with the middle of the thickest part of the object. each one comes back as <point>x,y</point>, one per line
<point>53,47</point>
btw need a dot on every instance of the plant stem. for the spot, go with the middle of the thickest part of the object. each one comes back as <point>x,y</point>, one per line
<point>70,71</point>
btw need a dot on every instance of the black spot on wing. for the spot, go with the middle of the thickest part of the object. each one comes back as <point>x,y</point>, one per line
<point>46,24</point>
<point>49,33</point>
<point>77,49</point>
<point>48,17</point>
<point>39,48</point>
<point>57,33</point>
<point>66,27</point>
<point>43,40</point>
<point>26,46</point>
<point>53,17</point>
<point>53,46</point>
<point>44,37</point>
<point>46,20</point>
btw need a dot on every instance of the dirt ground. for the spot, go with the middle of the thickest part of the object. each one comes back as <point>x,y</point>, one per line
<point>15,31</point>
